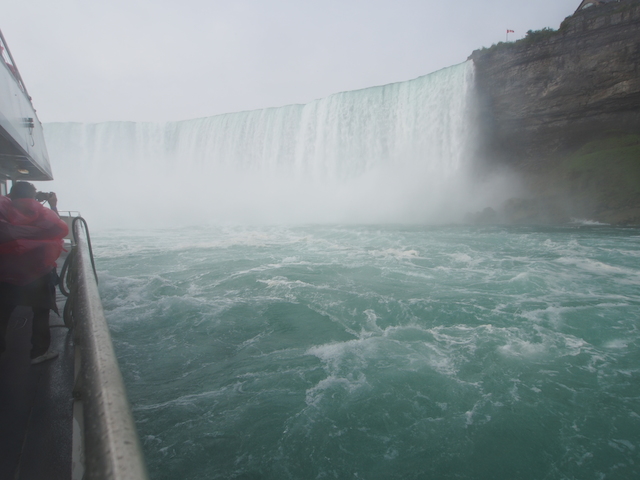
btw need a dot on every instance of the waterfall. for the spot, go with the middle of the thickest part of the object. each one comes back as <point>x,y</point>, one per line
<point>393,153</point>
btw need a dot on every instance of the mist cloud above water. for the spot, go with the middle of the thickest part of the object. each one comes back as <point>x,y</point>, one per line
<point>163,61</point>
<point>401,153</point>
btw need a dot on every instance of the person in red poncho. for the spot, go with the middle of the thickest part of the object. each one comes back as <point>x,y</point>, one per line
<point>30,242</point>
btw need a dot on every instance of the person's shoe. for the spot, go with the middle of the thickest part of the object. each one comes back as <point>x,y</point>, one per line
<point>50,355</point>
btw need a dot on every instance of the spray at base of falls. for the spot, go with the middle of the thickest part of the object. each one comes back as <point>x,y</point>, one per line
<point>396,153</point>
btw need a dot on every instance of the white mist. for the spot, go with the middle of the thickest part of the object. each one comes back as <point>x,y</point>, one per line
<point>397,153</point>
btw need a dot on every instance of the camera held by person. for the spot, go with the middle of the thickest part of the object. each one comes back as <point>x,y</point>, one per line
<point>43,196</point>
<point>48,197</point>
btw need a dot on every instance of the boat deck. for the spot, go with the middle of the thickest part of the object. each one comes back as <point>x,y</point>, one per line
<point>36,403</point>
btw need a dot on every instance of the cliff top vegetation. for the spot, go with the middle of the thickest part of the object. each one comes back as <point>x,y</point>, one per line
<point>534,37</point>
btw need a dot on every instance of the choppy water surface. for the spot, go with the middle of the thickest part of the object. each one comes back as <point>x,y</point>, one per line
<point>379,352</point>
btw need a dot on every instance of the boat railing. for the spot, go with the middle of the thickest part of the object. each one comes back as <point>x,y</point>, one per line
<point>111,448</point>
<point>67,216</point>
<point>69,213</point>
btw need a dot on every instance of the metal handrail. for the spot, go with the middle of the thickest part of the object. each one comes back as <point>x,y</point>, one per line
<point>111,446</point>
<point>69,213</point>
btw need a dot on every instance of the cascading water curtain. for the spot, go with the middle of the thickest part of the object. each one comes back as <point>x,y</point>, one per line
<point>388,153</point>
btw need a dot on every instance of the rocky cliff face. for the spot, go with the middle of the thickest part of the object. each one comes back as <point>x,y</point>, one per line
<point>547,98</point>
<point>548,93</point>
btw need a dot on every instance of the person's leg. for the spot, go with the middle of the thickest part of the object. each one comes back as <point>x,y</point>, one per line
<point>5,314</point>
<point>40,333</point>
<point>8,296</point>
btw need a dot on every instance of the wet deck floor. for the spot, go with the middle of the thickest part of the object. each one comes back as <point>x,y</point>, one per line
<point>36,403</point>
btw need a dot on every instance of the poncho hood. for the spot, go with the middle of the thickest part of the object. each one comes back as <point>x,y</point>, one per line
<point>30,240</point>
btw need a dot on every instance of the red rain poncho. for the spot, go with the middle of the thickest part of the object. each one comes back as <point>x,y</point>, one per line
<point>30,240</point>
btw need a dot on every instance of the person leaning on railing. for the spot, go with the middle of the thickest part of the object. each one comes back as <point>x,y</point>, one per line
<point>30,242</point>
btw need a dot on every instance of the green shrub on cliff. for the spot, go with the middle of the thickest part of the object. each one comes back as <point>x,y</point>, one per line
<point>534,36</point>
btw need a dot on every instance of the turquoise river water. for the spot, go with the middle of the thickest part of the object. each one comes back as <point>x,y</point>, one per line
<point>379,352</point>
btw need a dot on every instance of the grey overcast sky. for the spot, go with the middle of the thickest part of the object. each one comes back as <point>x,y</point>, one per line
<point>160,60</point>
